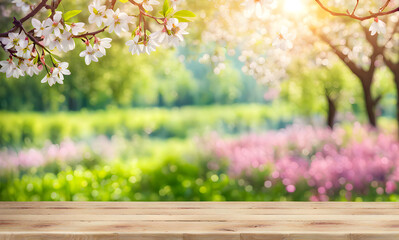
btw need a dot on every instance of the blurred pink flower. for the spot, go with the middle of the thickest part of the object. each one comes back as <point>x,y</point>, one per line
<point>353,159</point>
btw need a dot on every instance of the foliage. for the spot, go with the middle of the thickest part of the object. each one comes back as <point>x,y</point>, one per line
<point>340,84</point>
<point>124,81</point>
<point>19,129</point>
<point>177,170</point>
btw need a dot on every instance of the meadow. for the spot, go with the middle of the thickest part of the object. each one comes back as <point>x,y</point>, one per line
<point>195,153</point>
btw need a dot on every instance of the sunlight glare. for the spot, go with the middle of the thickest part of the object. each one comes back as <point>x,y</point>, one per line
<point>294,6</point>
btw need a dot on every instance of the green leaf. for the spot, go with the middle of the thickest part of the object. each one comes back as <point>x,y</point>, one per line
<point>166,7</point>
<point>181,19</point>
<point>36,59</point>
<point>170,10</point>
<point>184,14</point>
<point>70,14</point>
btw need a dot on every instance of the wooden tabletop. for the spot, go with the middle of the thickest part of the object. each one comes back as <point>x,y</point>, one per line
<point>199,220</point>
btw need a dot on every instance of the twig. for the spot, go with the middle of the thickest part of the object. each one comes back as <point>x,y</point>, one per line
<point>41,5</point>
<point>353,14</point>
<point>89,33</point>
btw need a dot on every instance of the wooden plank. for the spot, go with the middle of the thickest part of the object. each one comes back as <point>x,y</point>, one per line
<point>318,236</point>
<point>381,236</point>
<point>201,205</point>
<point>209,236</point>
<point>185,211</point>
<point>196,218</point>
<point>90,236</point>
<point>276,226</point>
<point>96,236</point>
<point>199,221</point>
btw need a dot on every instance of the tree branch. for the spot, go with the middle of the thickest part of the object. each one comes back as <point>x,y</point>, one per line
<point>89,33</point>
<point>359,72</point>
<point>41,5</point>
<point>377,50</point>
<point>353,14</point>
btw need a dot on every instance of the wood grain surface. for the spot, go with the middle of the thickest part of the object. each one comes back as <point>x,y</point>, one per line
<point>199,220</point>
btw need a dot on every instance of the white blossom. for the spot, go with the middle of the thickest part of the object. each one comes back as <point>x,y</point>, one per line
<point>89,54</point>
<point>100,44</point>
<point>161,36</point>
<point>117,21</point>
<point>97,13</point>
<point>56,74</point>
<point>149,46</point>
<point>177,30</point>
<point>147,4</point>
<point>39,27</point>
<point>30,68</point>
<point>15,39</point>
<point>284,39</point>
<point>75,28</point>
<point>60,70</point>
<point>174,3</point>
<point>21,4</point>
<point>67,42</point>
<point>378,26</point>
<point>134,46</point>
<point>53,25</point>
<point>24,52</point>
<point>54,42</point>
<point>10,68</point>
<point>51,79</point>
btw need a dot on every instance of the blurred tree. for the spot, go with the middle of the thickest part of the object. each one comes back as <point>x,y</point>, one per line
<point>329,85</point>
<point>391,60</point>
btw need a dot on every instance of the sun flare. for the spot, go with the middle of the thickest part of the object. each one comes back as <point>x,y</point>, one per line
<point>294,6</point>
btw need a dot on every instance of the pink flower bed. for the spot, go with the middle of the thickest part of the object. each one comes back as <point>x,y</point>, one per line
<point>66,151</point>
<point>326,160</point>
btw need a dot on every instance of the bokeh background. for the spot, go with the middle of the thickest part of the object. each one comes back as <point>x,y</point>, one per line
<point>225,116</point>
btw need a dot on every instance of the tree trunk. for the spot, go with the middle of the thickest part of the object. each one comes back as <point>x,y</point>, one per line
<point>332,110</point>
<point>369,102</point>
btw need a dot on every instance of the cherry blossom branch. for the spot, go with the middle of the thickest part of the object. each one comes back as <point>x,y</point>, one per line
<point>34,40</point>
<point>90,33</point>
<point>39,7</point>
<point>54,33</point>
<point>353,14</point>
<point>54,6</point>
<point>142,11</point>
<point>111,4</point>
<point>385,5</point>
<point>354,9</point>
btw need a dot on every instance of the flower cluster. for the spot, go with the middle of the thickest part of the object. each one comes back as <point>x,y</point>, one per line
<point>28,50</point>
<point>325,160</point>
<point>142,41</point>
<point>283,41</point>
<point>31,51</point>
<point>66,151</point>
<point>171,33</point>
